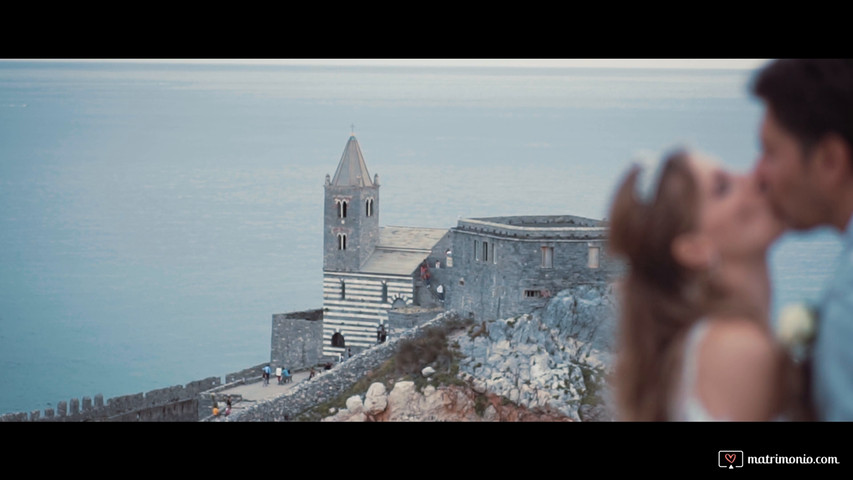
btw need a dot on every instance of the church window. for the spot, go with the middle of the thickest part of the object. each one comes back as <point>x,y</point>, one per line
<point>342,241</point>
<point>343,290</point>
<point>485,251</point>
<point>368,207</point>
<point>342,208</point>
<point>594,253</point>
<point>476,250</point>
<point>384,292</point>
<point>547,257</point>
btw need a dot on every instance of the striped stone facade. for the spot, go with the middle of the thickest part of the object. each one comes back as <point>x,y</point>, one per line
<point>356,304</point>
<point>367,269</point>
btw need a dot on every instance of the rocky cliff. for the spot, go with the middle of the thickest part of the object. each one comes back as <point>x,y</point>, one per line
<point>549,365</point>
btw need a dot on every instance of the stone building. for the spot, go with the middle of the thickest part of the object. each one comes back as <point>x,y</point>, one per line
<point>373,276</point>
<point>507,266</point>
<point>367,269</point>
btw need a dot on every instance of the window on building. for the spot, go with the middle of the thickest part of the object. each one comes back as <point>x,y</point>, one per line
<point>368,207</point>
<point>547,257</point>
<point>384,292</point>
<point>532,293</point>
<point>485,251</point>
<point>342,241</point>
<point>477,250</point>
<point>593,261</point>
<point>494,260</point>
<point>343,290</point>
<point>342,208</point>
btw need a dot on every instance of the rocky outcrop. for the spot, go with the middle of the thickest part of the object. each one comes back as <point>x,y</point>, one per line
<point>553,359</point>
<point>547,365</point>
<point>405,403</point>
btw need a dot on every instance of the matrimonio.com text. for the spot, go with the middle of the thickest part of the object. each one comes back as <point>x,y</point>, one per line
<point>732,459</point>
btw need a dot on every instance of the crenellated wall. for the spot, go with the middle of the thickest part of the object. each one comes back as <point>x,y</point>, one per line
<point>179,403</point>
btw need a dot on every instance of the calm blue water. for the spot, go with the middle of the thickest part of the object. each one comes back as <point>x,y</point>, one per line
<point>153,217</point>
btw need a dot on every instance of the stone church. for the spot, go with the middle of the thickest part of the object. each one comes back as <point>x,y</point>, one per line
<point>368,269</point>
<point>390,278</point>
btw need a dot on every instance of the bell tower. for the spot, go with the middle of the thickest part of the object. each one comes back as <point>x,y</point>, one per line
<point>351,213</point>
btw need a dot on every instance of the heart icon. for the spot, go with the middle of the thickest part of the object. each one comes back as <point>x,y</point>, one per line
<point>730,457</point>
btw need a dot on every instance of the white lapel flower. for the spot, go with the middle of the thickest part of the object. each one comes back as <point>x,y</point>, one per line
<point>797,327</point>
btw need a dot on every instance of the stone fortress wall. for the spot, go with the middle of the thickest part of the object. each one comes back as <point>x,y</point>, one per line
<point>506,266</point>
<point>179,403</point>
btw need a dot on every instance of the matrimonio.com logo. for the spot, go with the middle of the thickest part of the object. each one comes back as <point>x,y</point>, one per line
<point>730,459</point>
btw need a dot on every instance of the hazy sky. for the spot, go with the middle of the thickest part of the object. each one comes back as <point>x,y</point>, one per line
<point>547,62</point>
<point>725,63</point>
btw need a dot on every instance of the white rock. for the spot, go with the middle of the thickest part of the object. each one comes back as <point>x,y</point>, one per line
<point>501,348</point>
<point>479,385</point>
<point>432,403</point>
<point>358,417</point>
<point>491,414</point>
<point>402,398</point>
<point>428,371</point>
<point>375,400</point>
<point>354,404</point>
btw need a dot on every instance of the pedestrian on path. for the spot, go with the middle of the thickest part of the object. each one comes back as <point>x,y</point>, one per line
<point>266,375</point>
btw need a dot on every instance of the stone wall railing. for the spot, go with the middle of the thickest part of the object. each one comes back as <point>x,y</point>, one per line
<point>330,384</point>
<point>171,404</point>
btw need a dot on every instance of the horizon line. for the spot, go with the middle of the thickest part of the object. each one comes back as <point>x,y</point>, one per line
<point>625,63</point>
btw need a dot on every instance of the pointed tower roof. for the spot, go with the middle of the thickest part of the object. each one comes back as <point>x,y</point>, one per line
<point>352,171</point>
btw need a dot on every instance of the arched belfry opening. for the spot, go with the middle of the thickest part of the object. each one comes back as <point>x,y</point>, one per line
<point>341,207</point>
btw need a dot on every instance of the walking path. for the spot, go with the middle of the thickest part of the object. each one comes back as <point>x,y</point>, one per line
<point>255,392</point>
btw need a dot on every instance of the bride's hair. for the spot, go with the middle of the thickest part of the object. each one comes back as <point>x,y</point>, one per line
<point>656,305</point>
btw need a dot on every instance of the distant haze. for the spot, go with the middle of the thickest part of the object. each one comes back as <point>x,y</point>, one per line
<point>665,63</point>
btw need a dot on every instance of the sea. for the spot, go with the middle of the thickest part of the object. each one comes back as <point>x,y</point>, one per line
<point>154,215</point>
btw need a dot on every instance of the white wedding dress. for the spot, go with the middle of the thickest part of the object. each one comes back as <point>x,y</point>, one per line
<point>687,407</point>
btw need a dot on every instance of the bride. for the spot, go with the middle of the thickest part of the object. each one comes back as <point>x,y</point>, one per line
<point>695,340</point>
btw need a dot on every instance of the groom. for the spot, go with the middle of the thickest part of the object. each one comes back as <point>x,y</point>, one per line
<point>806,170</point>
